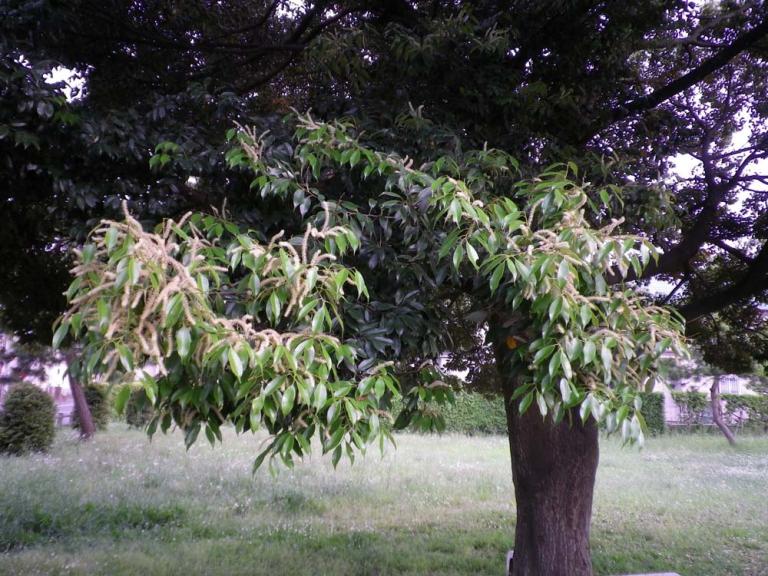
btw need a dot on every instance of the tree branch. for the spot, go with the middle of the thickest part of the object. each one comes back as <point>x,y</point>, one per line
<point>754,281</point>
<point>707,67</point>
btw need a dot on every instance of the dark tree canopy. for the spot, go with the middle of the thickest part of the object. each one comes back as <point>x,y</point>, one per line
<point>620,89</point>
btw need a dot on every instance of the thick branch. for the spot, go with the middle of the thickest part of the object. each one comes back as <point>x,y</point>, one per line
<point>754,281</point>
<point>693,77</point>
<point>731,250</point>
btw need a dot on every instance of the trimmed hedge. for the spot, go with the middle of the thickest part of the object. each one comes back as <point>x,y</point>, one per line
<point>474,413</point>
<point>653,412</point>
<point>27,420</point>
<point>741,410</point>
<point>138,409</point>
<point>692,406</point>
<point>99,402</point>
<point>471,413</point>
<point>748,411</point>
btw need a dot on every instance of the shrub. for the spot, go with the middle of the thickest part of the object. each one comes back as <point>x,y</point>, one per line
<point>470,413</point>
<point>749,411</point>
<point>98,400</point>
<point>653,411</point>
<point>27,420</point>
<point>138,409</point>
<point>474,413</point>
<point>692,406</point>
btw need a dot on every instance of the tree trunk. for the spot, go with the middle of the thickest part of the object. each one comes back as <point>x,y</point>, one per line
<point>717,414</point>
<point>553,469</point>
<point>87,428</point>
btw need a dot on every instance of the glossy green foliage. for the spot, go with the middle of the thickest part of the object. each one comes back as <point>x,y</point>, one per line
<point>590,342</point>
<point>252,331</point>
<point>26,420</point>
<point>233,329</point>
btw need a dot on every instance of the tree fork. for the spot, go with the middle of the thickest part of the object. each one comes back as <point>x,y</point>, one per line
<point>553,470</point>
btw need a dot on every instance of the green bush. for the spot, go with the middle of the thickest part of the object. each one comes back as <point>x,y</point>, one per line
<point>745,411</point>
<point>138,409</point>
<point>27,420</point>
<point>474,413</point>
<point>98,400</point>
<point>755,408</point>
<point>471,413</point>
<point>653,411</point>
<point>692,406</point>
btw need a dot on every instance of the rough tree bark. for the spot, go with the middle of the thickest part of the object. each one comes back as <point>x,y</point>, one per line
<point>87,428</point>
<point>717,414</point>
<point>553,469</point>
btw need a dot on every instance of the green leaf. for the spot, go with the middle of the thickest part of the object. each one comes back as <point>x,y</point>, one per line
<point>286,404</point>
<point>555,362</point>
<point>565,391</point>
<point>183,341</point>
<point>60,334</point>
<point>525,402</point>
<point>472,254</point>
<point>273,308</point>
<point>586,315</point>
<point>122,398</point>
<point>235,363</point>
<point>589,352</point>
<point>319,396</point>
<point>607,358</point>
<point>150,387</point>
<point>458,256</point>
<point>496,277</point>
<point>126,358</point>
<point>110,239</point>
<point>273,385</point>
<point>555,307</point>
<point>191,434</point>
<point>566,365</point>
<point>334,440</point>
<point>173,310</point>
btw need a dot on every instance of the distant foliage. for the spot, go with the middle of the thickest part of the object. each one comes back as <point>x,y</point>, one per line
<point>749,411</point>
<point>740,410</point>
<point>138,409</point>
<point>653,410</point>
<point>692,406</point>
<point>27,420</point>
<point>98,400</point>
<point>470,413</point>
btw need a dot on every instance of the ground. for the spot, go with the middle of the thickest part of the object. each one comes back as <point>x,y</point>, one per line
<point>436,505</point>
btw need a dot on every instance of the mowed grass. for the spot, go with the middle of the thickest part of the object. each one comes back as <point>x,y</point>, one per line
<point>436,505</point>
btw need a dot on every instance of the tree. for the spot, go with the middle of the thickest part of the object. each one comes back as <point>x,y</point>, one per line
<point>253,332</point>
<point>618,89</point>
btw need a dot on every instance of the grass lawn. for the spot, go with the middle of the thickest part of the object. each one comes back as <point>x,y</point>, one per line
<point>436,505</point>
